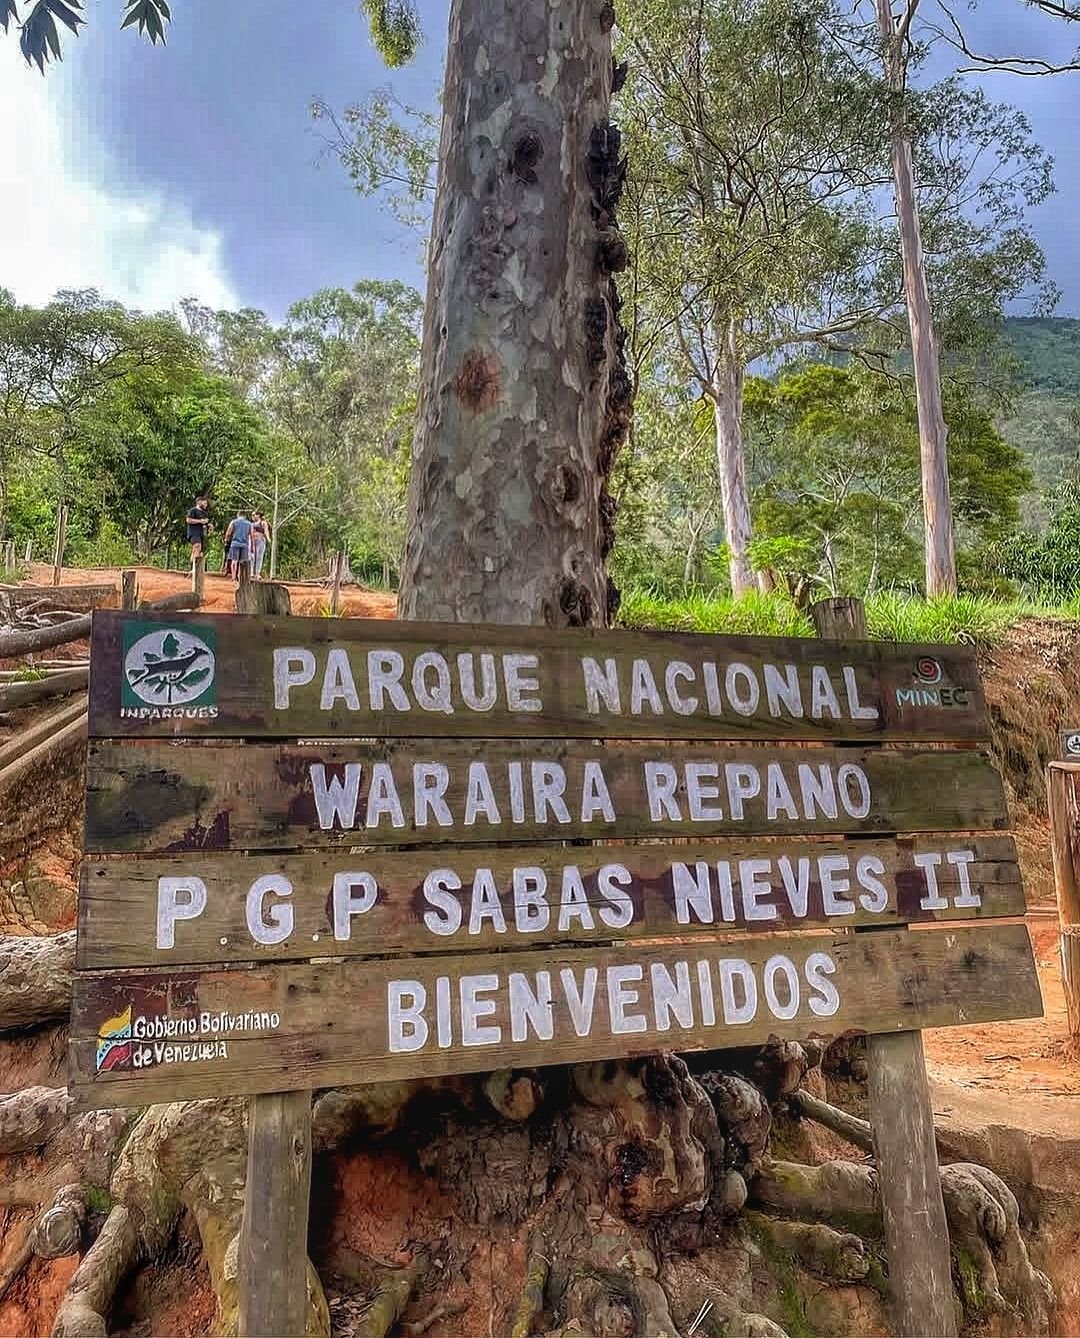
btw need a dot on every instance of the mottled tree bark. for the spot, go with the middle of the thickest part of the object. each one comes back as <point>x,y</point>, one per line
<point>524,398</point>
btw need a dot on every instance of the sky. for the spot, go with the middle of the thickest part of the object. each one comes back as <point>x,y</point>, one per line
<point>196,170</point>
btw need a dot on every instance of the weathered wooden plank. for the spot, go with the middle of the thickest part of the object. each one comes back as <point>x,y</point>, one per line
<point>293,677</point>
<point>204,907</point>
<point>78,598</point>
<point>152,796</point>
<point>170,1035</point>
<point>16,694</point>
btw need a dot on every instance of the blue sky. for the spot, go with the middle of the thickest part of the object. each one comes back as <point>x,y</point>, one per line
<point>197,170</point>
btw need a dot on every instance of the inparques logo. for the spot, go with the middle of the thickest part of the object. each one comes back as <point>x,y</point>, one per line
<point>168,671</point>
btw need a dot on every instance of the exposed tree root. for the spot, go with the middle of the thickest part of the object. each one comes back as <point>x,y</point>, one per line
<point>28,1119</point>
<point>834,1255</point>
<point>631,1179</point>
<point>17,1254</point>
<point>85,1308</point>
<point>391,1296</point>
<point>35,980</point>
<point>995,1271</point>
<point>858,1133</point>
<point>60,1228</point>
<point>837,1191</point>
<point>532,1295</point>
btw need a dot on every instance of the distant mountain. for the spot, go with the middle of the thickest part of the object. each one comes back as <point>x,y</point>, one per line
<point>1048,348</point>
<point>1046,424</point>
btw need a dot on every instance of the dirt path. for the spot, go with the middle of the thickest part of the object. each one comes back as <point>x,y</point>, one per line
<point>308,600</point>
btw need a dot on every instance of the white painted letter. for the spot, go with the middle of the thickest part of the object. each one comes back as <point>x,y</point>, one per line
<point>518,684</point>
<point>384,670</point>
<point>337,800</point>
<point>273,924</point>
<point>405,1001</point>
<point>346,904</point>
<point>293,668</point>
<point>473,1008</point>
<point>660,784</point>
<point>621,996</point>
<point>432,696</point>
<point>601,685</point>
<point>170,908</point>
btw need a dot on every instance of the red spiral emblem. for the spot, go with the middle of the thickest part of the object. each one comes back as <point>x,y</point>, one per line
<point>928,670</point>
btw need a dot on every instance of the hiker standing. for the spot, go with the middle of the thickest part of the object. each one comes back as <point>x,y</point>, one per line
<point>260,537</point>
<point>198,526</point>
<point>237,544</point>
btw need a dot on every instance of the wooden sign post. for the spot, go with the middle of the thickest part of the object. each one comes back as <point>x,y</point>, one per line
<point>262,914</point>
<point>1063,803</point>
<point>902,1117</point>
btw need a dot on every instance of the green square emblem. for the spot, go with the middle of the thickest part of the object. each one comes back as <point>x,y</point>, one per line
<point>167,668</point>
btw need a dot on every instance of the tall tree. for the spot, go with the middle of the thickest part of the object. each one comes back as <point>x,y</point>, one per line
<point>523,397</point>
<point>757,208</point>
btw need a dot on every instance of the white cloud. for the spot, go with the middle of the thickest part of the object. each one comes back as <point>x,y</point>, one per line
<point>66,222</point>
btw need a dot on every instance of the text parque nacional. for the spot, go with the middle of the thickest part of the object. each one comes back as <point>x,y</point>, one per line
<point>383,680</point>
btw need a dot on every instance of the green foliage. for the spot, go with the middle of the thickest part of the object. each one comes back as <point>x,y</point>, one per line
<point>388,148</point>
<point>836,480</point>
<point>1047,566</point>
<point>968,619</point>
<point>39,39</point>
<point>891,616</point>
<point>395,29</point>
<point>753,615</point>
<point>1048,350</point>
<point>107,548</point>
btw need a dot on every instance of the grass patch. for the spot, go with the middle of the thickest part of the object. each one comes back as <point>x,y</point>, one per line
<point>971,620</point>
<point>755,615</point>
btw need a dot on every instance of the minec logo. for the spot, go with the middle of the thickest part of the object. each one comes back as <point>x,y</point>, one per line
<point>168,671</point>
<point>928,688</point>
<point>114,1042</point>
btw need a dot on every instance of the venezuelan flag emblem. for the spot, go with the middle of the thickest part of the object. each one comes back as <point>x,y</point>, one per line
<point>114,1041</point>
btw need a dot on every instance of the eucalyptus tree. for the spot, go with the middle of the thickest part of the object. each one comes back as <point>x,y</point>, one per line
<point>759,203</point>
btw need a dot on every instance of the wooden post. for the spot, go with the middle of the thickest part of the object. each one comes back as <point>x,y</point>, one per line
<point>129,590</point>
<point>198,576</point>
<point>909,1182</point>
<point>273,1260</point>
<point>28,551</point>
<point>243,584</point>
<point>1063,801</point>
<point>335,589</point>
<point>59,544</point>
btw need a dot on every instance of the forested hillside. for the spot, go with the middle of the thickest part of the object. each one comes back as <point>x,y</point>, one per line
<point>1045,422</point>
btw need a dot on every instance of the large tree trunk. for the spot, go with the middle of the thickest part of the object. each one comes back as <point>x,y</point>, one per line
<point>726,393</point>
<point>933,448</point>
<point>524,399</point>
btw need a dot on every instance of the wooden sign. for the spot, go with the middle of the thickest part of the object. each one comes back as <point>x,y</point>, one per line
<point>201,676</point>
<point>207,907</point>
<point>144,1037</point>
<point>244,928</point>
<point>166,797</point>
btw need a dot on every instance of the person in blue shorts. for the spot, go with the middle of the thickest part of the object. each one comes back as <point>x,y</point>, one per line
<point>237,544</point>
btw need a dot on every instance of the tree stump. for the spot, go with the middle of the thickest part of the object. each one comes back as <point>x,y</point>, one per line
<point>267,597</point>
